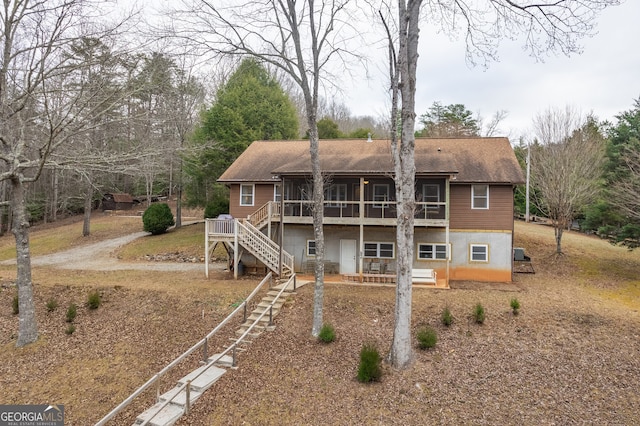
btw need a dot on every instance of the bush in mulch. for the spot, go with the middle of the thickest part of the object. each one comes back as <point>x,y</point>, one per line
<point>478,313</point>
<point>515,306</point>
<point>327,333</point>
<point>446,317</point>
<point>427,337</point>
<point>93,300</point>
<point>72,311</point>
<point>369,369</point>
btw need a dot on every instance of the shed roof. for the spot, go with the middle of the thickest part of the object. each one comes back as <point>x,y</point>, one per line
<point>470,159</point>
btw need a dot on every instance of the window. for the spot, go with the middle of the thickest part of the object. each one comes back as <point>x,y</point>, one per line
<point>479,253</point>
<point>432,251</point>
<point>246,195</point>
<point>431,194</point>
<point>337,192</point>
<point>311,247</point>
<point>479,196</point>
<point>381,250</point>
<point>277,194</point>
<point>380,194</point>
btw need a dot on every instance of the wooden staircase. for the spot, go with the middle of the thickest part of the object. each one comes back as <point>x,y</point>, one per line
<point>176,402</point>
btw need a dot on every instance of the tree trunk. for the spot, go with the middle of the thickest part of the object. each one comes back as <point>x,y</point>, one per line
<point>27,325</point>
<point>88,204</point>
<point>179,197</point>
<point>318,229</point>
<point>401,354</point>
<point>559,230</point>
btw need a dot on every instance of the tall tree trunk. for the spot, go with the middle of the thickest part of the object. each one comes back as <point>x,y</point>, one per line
<point>179,196</point>
<point>88,204</point>
<point>27,325</point>
<point>401,354</point>
<point>318,229</point>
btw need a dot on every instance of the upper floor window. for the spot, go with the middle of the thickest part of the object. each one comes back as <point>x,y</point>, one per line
<point>479,196</point>
<point>247,194</point>
<point>431,194</point>
<point>335,193</point>
<point>277,193</point>
<point>381,250</point>
<point>380,195</point>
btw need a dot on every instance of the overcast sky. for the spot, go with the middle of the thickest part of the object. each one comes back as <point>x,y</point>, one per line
<point>604,79</point>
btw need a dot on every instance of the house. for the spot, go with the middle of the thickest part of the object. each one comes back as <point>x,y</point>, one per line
<point>117,202</point>
<point>463,221</point>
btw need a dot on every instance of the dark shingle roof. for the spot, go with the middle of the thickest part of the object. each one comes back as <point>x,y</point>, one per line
<point>471,159</point>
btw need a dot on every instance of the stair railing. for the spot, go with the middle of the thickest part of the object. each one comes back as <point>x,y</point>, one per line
<point>263,247</point>
<point>201,344</point>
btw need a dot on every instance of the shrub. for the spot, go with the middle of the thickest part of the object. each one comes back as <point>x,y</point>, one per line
<point>52,304</point>
<point>369,368</point>
<point>72,311</point>
<point>447,318</point>
<point>478,313</point>
<point>16,305</point>
<point>157,218</point>
<point>93,301</point>
<point>70,329</point>
<point>327,333</point>
<point>427,337</point>
<point>515,306</point>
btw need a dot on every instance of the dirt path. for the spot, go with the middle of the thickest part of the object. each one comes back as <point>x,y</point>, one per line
<point>100,257</point>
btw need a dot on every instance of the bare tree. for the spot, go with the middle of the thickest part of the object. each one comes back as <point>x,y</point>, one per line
<point>301,39</point>
<point>37,113</point>
<point>566,166</point>
<point>546,25</point>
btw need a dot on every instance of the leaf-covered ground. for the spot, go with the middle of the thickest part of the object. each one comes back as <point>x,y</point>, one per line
<point>571,356</point>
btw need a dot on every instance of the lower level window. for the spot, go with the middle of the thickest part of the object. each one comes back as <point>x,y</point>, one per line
<point>432,251</point>
<point>311,247</point>
<point>381,250</point>
<point>479,253</point>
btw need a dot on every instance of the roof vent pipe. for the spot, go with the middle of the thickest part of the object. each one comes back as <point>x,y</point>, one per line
<point>369,137</point>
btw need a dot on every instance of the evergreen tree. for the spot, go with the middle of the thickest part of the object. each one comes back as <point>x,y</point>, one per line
<point>250,106</point>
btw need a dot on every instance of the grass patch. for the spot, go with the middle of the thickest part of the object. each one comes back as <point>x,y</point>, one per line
<point>187,239</point>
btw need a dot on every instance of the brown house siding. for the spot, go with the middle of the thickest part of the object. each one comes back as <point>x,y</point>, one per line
<point>262,194</point>
<point>499,215</point>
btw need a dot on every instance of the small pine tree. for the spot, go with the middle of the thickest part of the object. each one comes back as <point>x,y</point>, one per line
<point>157,219</point>
<point>72,311</point>
<point>369,369</point>
<point>478,313</point>
<point>327,333</point>
<point>515,306</point>
<point>447,318</point>
<point>427,337</point>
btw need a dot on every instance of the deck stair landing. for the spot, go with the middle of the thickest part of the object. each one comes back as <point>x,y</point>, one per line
<point>202,378</point>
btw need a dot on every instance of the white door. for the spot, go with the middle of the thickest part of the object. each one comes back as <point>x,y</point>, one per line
<point>347,256</point>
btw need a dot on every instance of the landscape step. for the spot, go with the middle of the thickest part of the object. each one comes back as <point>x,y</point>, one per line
<point>166,417</point>
<point>203,377</point>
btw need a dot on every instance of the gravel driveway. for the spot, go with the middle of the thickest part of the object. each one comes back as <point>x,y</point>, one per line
<point>99,257</point>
